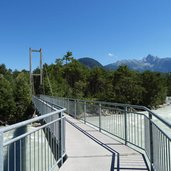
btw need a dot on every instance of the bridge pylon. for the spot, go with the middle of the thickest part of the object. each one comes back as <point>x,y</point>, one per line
<point>31,72</point>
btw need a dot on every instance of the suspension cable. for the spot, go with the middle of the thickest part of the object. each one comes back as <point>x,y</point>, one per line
<point>48,81</point>
<point>33,88</point>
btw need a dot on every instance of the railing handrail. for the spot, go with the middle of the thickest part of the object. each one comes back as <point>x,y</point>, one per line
<point>30,132</point>
<point>140,107</point>
<point>159,117</point>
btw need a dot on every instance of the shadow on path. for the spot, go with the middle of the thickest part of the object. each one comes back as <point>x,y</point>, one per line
<point>115,163</point>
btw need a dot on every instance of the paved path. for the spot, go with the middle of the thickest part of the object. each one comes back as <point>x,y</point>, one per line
<point>90,150</point>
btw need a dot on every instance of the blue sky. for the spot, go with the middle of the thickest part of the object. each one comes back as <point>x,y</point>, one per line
<point>106,30</point>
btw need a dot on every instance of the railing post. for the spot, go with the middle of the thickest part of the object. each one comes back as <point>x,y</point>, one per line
<point>151,140</point>
<point>75,109</point>
<point>125,129</point>
<point>100,117</point>
<point>62,138</point>
<point>1,152</point>
<point>68,106</point>
<point>63,102</point>
<point>85,112</point>
<point>64,130</point>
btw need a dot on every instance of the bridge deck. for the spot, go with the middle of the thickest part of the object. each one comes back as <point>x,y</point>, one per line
<point>88,149</point>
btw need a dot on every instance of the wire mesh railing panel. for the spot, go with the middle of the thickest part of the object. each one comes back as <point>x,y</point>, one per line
<point>161,150</point>
<point>147,136</point>
<point>113,121</point>
<point>135,129</point>
<point>72,108</point>
<point>80,110</point>
<point>13,153</point>
<point>92,113</point>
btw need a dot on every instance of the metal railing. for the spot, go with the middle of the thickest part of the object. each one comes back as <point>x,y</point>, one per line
<point>24,147</point>
<point>134,125</point>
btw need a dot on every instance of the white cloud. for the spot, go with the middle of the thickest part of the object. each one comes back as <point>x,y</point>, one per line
<point>110,54</point>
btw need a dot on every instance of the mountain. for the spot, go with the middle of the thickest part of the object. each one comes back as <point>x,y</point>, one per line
<point>89,62</point>
<point>152,63</point>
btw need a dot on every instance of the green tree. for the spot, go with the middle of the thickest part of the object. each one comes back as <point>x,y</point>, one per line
<point>73,73</point>
<point>155,89</point>
<point>96,83</point>
<point>7,104</point>
<point>168,80</point>
<point>127,86</point>
<point>22,96</point>
<point>3,69</point>
<point>68,57</point>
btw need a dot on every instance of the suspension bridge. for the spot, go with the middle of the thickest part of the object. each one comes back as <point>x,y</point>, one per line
<point>73,134</point>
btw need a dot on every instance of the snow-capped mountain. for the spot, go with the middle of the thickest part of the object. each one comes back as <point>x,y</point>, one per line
<point>152,63</point>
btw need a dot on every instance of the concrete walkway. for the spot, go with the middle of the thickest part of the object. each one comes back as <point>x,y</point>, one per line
<point>90,150</point>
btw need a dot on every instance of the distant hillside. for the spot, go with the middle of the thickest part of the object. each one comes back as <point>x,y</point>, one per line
<point>89,62</point>
<point>152,63</point>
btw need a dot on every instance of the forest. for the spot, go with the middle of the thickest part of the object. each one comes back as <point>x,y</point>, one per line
<point>66,77</point>
<point>15,96</point>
